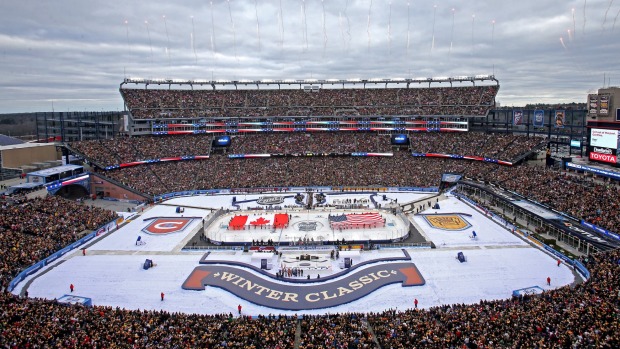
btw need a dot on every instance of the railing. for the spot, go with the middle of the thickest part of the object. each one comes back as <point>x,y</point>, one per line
<point>406,245</point>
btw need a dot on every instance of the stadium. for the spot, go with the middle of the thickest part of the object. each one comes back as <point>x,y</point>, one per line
<point>258,189</point>
<point>356,229</point>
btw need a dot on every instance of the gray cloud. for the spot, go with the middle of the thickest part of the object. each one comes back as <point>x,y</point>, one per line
<point>74,54</point>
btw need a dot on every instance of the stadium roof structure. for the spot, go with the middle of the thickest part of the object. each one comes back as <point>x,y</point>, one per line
<point>300,82</point>
<point>55,170</point>
<point>8,140</point>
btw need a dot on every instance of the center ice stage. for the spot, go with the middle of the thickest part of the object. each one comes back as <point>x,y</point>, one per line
<point>306,227</point>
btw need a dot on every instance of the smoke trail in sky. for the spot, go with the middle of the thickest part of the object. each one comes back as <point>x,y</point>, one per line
<point>257,24</point>
<point>167,39</point>
<point>433,34</point>
<point>232,23</point>
<point>606,11</point>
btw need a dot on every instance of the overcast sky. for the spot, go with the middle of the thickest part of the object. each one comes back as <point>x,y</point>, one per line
<point>73,54</point>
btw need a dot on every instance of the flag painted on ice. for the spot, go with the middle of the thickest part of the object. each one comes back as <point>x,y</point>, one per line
<point>356,220</point>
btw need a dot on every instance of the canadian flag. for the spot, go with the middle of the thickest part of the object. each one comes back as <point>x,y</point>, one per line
<point>260,221</point>
<point>278,220</point>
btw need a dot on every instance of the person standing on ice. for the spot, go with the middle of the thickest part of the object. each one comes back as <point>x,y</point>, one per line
<point>71,287</point>
<point>548,281</point>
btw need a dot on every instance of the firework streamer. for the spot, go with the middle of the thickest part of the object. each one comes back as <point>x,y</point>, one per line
<point>232,23</point>
<point>324,29</point>
<point>257,24</point>
<point>408,27</point>
<point>148,32</point>
<point>433,33</point>
<point>492,33</point>
<point>305,24</point>
<point>570,35</point>
<point>452,32</point>
<point>562,42</point>
<point>585,2</point>
<point>128,46</point>
<point>606,11</point>
<point>167,39</point>
<point>368,24</point>
<point>127,34</point>
<point>573,13</point>
<point>193,42</point>
<point>615,19</point>
<point>389,33</point>
<point>346,7</point>
<point>341,31</point>
<point>212,32</point>
<point>473,21</point>
<point>281,27</point>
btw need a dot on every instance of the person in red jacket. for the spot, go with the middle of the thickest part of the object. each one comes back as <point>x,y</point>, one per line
<point>162,296</point>
<point>239,308</point>
<point>415,302</point>
<point>71,287</point>
<point>548,281</point>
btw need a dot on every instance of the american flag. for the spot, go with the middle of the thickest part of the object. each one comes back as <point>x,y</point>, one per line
<point>356,220</point>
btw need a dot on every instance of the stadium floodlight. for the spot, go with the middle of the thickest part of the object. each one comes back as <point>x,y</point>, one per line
<point>200,81</point>
<point>482,77</point>
<point>279,80</point>
<point>375,79</point>
<point>245,81</point>
<point>267,81</point>
<point>397,79</point>
<point>289,80</point>
<point>333,80</point>
<point>311,80</point>
<point>420,79</point>
<point>223,81</point>
<point>441,78</point>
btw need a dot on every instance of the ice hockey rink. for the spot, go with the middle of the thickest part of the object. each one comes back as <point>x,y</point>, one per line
<point>111,273</point>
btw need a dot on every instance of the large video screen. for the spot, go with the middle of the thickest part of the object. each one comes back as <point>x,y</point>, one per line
<point>400,139</point>
<point>222,141</point>
<point>604,138</point>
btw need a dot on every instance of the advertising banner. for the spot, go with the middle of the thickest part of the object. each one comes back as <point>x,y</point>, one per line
<point>539,118</point>
<point>593,104</point>
<point>560,117</point>
<point>604,106</point>
<point>517,117</point>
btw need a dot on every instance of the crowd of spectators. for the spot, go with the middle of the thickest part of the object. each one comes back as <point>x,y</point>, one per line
<point>500,146</point>
<point>108,152</point>
<point>130,149</point>
<point>32,229</point>
<point>219,171</point>
<point>593,201</point>
<point>575,316</point>
<point>167,103</point>
<point>318,142</point>
<point>580,196</point>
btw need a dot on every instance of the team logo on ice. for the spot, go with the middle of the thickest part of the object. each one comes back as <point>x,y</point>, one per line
<point>167,225</point>
<point>447,222</point>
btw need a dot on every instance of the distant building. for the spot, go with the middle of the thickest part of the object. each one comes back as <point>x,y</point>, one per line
<point>77,126</point>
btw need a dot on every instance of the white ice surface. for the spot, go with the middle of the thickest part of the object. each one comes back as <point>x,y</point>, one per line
<point>111,273</point>
<point>488,231</point>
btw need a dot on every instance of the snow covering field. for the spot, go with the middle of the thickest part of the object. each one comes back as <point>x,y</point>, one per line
<point>111,272</point>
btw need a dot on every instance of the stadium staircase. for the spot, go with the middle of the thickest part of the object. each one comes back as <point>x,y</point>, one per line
<point>141,156</point>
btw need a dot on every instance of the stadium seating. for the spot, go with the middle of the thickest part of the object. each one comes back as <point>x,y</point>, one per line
<point>160,103</point>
